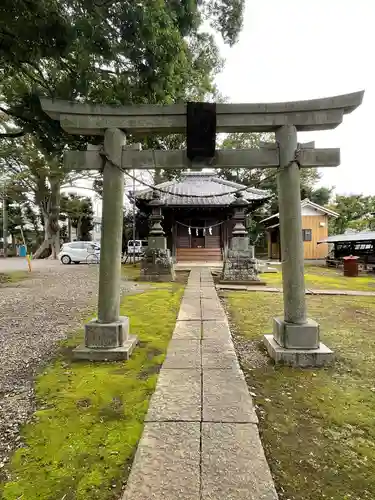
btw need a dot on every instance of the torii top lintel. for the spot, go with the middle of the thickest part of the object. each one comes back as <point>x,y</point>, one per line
<point>94,119</point>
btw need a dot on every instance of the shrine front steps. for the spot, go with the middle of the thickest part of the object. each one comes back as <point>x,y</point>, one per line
<point>200,440</point>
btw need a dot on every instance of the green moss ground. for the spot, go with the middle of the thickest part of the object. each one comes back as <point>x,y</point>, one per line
<point>322,278</point>
<point>132,272</point>
<point>90,415</point>
<point>317,426</point>
<point>13,277</point>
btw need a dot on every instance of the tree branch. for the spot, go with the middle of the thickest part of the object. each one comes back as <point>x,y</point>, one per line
<point>11,113</point>
<point>35,79</point>
<point>45,84</point>
<point>21,133</point>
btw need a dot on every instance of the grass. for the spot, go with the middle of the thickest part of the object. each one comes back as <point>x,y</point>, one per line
<point>82,439</point>
<point>322,278</point>
<point>13,277</point>
<point>317,426</point>
<point>132,272</point>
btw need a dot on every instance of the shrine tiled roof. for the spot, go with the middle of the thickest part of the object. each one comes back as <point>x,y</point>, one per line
<point>193,187</point>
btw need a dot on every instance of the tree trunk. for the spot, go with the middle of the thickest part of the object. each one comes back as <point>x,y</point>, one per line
<point>5,226</point>
<point>47,241</point>
<point>79,229</point>
<point>51,222</point>
<point>54,215</point>
<point>69,229</point>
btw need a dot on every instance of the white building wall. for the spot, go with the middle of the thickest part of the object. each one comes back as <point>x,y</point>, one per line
<point>307,210</point>
<point>97,230</point>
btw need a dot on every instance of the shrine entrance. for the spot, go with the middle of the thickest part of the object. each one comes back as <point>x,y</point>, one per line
<point>295,339</point>
<point>198,241</point>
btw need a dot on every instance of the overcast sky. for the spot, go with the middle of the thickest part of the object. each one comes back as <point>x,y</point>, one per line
<point>305,49</point>
<point>294,49</point>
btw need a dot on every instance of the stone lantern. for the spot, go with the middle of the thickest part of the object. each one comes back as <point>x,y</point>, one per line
<point>157,263</point>
<point>240,264</point>
<point>156,239</point>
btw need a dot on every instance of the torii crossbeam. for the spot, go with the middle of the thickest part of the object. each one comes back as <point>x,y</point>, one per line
<point>266,156</point>
<point>314,114</point>
<point>295,338</point>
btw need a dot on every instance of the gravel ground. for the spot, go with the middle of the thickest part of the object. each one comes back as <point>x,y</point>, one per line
<point>35,315</point>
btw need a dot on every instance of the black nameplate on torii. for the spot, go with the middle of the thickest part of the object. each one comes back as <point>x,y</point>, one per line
<point>200,131</point>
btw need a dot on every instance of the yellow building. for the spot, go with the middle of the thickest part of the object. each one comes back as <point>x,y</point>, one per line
<point>314,228</point>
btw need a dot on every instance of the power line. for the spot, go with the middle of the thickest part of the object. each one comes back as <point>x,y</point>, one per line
<point>207,196</point>
<point>179,195</point>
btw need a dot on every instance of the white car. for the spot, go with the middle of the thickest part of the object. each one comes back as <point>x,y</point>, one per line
<point>78,251</point>
<point>137,247</point>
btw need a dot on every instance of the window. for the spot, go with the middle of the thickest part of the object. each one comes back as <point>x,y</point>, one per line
<point>90,246</point>
<point>77,244</point>
<point>307,234</point>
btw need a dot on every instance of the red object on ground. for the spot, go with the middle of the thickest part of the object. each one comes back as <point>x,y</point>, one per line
<point>351,266</point>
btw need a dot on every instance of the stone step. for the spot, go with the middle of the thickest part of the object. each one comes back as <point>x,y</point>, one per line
<point>198,254</point>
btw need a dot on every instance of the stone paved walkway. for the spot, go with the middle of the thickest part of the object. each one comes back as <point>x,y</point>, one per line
<point>200,440</point>
<point>256,288</point>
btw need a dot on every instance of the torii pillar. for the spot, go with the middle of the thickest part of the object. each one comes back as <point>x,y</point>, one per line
<point>296,338</point>
<point>107,337</point>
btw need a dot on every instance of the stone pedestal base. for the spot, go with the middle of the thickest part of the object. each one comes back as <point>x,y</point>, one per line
<point>240,267</point>
<point>106,341</point>
<point>112,354</point>
<point>292,336</point>
<point>304,358</point>
<point>264,267</point>
<point>157,265</point>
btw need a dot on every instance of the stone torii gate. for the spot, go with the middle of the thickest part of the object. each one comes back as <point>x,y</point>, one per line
<point>295,338</point>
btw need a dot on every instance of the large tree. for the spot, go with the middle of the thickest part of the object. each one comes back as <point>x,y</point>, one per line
<point>31,30</point>
<point>118,52</point>
<point>355,212</point>
<point>78,212</point>
<point>266,178</point>
<point>34,180</point>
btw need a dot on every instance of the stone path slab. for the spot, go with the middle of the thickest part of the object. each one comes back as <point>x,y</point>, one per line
<point>233,464</point>
<point>215,330</point>
<point>353,293</point>
<point>226,397</point>
<point>188,330</point>
<point>183,353</point>
<point>189,309</point>
<point>208,293</point>
<point>200,440</point>
<point>212,312</point>
<point>219,355</point>
<point>167,463</point>
<point>308,291</point>
<point>177,397</point>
